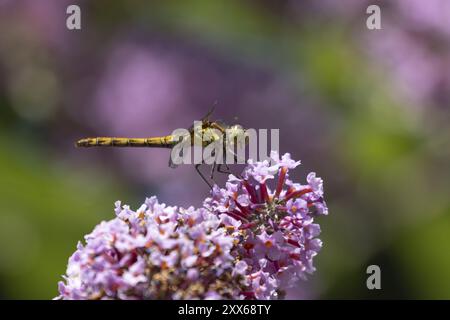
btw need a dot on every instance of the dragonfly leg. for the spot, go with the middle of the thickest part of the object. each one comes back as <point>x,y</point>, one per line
<point>197,168</point>
<point>236,161</point>
<point>213,167</point>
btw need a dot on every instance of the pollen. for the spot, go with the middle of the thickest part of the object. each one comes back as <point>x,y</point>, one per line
<point>248,246</point>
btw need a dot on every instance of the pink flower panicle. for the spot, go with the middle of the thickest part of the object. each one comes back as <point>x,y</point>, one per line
<point>277,234</point>
<point>155,252</point>
<point>250,240</point>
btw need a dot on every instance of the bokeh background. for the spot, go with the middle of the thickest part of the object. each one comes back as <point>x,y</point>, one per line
<point>367,110</point>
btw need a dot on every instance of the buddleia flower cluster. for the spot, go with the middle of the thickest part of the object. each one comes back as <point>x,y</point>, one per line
<point>277,234</point>
<point>249,240</point>
<point>155,252</point>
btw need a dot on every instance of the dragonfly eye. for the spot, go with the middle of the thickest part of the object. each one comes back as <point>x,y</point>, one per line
<point>236,135</point>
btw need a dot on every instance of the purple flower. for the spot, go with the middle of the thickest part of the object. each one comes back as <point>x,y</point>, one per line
<point>155,252</point>
<point>285,160</point>
<point>249,240</point>
<point>260,171</point>
<point>277,236</point>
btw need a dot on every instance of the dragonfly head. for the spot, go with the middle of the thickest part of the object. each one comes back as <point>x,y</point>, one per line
<point>237,136</point>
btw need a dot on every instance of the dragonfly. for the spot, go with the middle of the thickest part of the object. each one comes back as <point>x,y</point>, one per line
<point>207,129</point>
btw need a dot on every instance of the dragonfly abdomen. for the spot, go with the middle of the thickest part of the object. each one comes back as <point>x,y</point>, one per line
<point>155,142</point>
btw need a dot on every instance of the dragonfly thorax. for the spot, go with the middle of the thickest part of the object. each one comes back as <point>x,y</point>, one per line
<point>211,133</point>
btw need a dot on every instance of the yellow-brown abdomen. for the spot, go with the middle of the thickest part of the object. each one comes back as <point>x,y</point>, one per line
<point>155,142</point>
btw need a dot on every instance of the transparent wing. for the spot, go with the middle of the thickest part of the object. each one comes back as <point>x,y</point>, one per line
<point>177,153</point>
<point>221,124</point>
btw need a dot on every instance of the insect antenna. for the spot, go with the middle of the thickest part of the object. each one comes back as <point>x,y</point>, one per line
<point>206,117</point>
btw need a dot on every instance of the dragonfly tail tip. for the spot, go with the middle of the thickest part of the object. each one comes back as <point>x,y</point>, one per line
<point>81,143</point>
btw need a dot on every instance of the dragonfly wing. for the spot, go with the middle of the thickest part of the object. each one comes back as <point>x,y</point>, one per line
<point>221,123</point>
